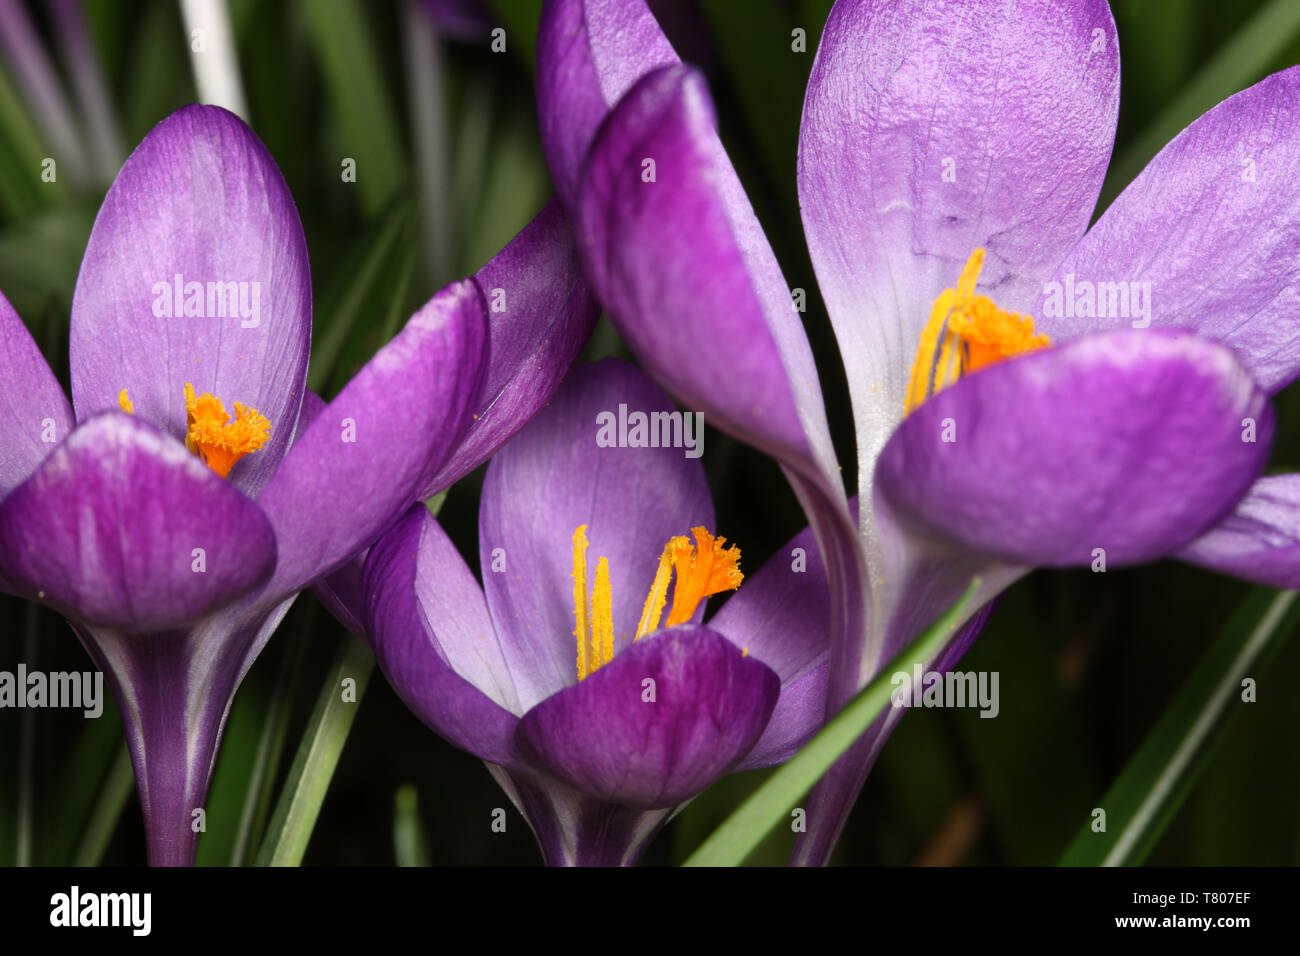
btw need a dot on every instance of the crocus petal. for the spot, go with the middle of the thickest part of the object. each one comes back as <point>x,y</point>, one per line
<point>688,277</point>
<point>589,53</point>
<point>781,616</point>
<point>174,690</point>
<point>1213,225</point>
<point>341,592</point>
<point>122,527</point>
<point>930,129</point>
<point>541,315</point>
<point>34,412</point>
<point>683,266</point>
<point>605,738</point>
<point>202,199</point>
<point>464,20</point>
<point>343,595</point>
<point>430,630</point>
<point>370,452</point>
<point>575,830</point>
<point>1260,540</point>
<point>554,477</point>
<point>1132,442</point>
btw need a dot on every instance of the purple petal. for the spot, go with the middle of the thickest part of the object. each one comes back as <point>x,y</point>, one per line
<point>430,630</point>
<point>370,453</point>
<point>342,592</point>
<point>781,615</point>
<point>780,611</point>
<point>174,691</point>
<point>34,412</point>
<point>689,278</point>
<point>109,528</point>
<point>575,830</point>
<point>930,128</point>
<point>605,738</point>
<point>1206,238</point>
<point>200,198</point>
<point>1131,442</point>
<point>343,595</point>
<point>1260,540</point>
<point>589,53</point>
<point>464,20</point>
<point>541,315</point>
<point>554,477</point>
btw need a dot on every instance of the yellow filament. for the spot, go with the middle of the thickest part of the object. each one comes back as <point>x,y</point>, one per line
<point>658,596</point>
<point>124,403</point>
<point>580,600</point>
<point>602,617</point>
<point>703,568</point>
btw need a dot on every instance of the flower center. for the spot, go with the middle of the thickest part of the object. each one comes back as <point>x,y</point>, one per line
<point>211,434</point>
<point>702,569</point>
<point>975,333</point>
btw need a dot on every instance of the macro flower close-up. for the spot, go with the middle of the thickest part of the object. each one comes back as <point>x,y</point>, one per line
<point>872,420</point>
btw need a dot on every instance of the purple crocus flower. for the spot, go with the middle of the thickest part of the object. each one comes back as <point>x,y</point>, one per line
<point>556,671</point>
<point>174,537</point>
<point>950,157</point>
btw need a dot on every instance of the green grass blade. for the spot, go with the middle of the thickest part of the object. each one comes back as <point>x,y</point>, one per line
<point>318,756</point>
<point>102,822</point>
<point>360,292</point>
<point>519,18</point>
<point>1142,802</point>
<point>270,745</point>
<point>22,191</point>
<point>410,844</point>
<point>368,124</point>
<point>771,803</point>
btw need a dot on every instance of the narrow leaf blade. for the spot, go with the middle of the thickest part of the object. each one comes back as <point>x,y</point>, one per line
<point>770,803</point>
<point>1143,800</point>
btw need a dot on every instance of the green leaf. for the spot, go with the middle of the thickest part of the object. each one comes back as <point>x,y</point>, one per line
<point>113,795</point>
<point>410,844</point>
<point>771,803</point>
<point>247,769</point>
<point>1142,802</point>
<point>360,290</point>
<point>519,18</point>
<point>318,756</point>
<point>515,185</point>
<point>22,191</point>
<point>40,256</point>
<point>1240,62</point>
<point>340,34</point>
<point>72,802</point>
<point>261,780</point>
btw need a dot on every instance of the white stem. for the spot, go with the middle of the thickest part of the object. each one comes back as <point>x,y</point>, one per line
<point>216,67</point>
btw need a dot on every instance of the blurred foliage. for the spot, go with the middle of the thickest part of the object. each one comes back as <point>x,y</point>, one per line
<point>1087,662</point>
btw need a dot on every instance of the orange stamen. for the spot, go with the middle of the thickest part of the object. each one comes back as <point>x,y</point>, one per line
<point>215,438</point>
